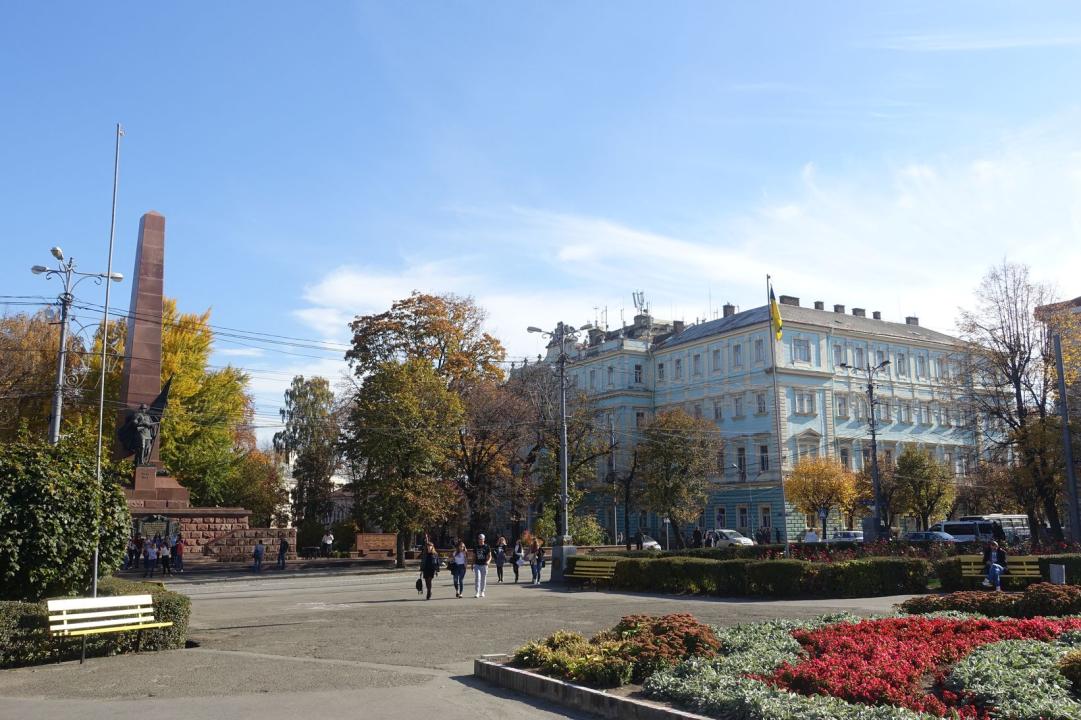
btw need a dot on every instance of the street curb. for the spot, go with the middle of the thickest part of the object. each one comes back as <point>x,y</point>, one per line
<point>574,697</point>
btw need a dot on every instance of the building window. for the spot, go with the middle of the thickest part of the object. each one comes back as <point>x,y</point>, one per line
<point>638,373</point>
<point>858,358</point>
<point>639,419</point>
<point>807,449</point>
<point>880,357</point>
<point>698,412</point>
<point>611,376</point>
<point>679,369</point>
<point>642,519</point>
<point>660,371</point>
<point>866,455</point>
<point>722,518</point>
<point>921,366</point>
<point>846,460</point>
<point>574,380</point>
<point>765,516</point>
<point>759,351</point>
<point>720,464</point>
<point>592,379</point>
<point>838,356</point>
<point>718,412</point>
<point>741,462</point>
<point>716,361</point>
<point>946,415</point>
<point>940,368</point>
<point>696,364</point>
<point>887,455</point>
<point>760,403</point>
<point>737,355</point>
<point>906,413</point>
<point>743,524</point>
<point>763,458</point>
<point>902,365</point>
<point>737,406</point>
<point>801,350</point>
<point>805,403</point>
<point>842,406</point>
<point>882,411</point>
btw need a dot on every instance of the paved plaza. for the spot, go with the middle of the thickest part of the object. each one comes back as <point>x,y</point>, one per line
<point>337,645</point>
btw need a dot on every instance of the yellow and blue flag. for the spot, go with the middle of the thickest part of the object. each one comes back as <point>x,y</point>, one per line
<point>774,314</point>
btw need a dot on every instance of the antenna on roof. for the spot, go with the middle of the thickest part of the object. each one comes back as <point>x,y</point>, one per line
<point>640,304</point>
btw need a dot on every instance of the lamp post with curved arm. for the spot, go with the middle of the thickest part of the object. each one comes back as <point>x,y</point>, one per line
<point>870,371</point>
<point>71,278</point>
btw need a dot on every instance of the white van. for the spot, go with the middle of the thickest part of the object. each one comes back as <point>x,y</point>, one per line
<point>966,530</point>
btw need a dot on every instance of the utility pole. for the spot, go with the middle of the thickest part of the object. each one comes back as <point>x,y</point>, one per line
<point>872,418</point>
<point>1067,445</point>
<point>612,474</point>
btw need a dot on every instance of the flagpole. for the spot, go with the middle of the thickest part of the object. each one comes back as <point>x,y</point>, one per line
<point>777,407</point>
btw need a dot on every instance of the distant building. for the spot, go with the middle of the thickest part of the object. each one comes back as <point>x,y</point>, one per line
<point>722,370</point>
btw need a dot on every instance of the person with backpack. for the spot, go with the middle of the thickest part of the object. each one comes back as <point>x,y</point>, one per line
<point>500,556</point>
<point>429,567</point>
<point>482,557</point>
<point>517,558</point>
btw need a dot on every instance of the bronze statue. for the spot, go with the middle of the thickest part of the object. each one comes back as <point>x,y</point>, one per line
<point>139,432</point>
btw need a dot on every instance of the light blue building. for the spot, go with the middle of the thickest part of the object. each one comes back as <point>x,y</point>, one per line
<point>723,370</point>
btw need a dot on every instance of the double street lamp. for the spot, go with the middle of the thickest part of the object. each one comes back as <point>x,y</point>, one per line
<point>560,335</point>
<point>71,278</point>
<point>870,371</point>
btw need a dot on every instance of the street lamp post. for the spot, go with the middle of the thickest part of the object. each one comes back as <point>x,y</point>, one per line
<point>66,272</point>
<point>561,552</point>
<point>870,371</point>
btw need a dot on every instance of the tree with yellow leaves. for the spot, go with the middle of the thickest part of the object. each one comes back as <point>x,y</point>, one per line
<point>820,485</point>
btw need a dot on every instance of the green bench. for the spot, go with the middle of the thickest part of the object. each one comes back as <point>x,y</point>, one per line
<point>592,569</point>
<point>80,617</point>
<point>1019,566</point>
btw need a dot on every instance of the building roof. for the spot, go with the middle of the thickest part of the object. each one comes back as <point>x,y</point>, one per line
<point>807,316</point>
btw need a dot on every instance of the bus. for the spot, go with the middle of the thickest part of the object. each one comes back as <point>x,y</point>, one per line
<point>1015,526</point>
<point>966,530</point>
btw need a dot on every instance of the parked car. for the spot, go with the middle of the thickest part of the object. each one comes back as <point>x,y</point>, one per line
<point>729,538</point>
<point>649,543</point>
<point>929,536</point>
<point>842,536</point>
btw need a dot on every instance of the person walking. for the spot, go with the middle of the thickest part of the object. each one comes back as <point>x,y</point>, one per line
<point>457,568</point>
<point>536,564</point>
<point>328,542</point>
<point>482,557</point>
<point>500,557</point>
<point>178,554</point>
<point>517,558</point>
<point>696,537</point>
<point>283,550</point>
<point>165,557</point>
<point>429,567</point>
<point>150,559</point>
<point>257,555</point>
<point>994,561</point>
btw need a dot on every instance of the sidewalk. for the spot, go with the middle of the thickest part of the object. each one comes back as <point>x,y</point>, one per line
<point>210,569</point>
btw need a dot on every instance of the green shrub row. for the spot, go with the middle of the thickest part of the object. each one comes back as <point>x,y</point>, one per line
<point>777,578</point>
<point>948,572</point>
<point>24,626</point>
<point>1039,600</point>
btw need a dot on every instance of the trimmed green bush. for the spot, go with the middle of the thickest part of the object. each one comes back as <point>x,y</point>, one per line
<point>873,576</point>
<point>24,626</point>
<point>1070,667</point>
<point>948,573</point>
<point>1050,600</point>
<point>992,604</point>
<point>49,497</point>
<point>780,578</point>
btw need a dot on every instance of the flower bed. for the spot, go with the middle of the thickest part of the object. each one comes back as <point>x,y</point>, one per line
<point>1040,600</point>
<point>840,667</point>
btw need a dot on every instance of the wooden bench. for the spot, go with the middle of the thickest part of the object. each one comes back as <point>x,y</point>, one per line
<point>80,617</point>
<point>1018,566</point>
<point>592,569</point>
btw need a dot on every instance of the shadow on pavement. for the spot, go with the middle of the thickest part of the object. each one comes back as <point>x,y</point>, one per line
<point>480,686</point>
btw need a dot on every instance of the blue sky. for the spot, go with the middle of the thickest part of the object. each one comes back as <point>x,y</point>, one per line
<point>315,161</point>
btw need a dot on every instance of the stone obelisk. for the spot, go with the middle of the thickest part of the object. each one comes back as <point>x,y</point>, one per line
<point>141,379</point>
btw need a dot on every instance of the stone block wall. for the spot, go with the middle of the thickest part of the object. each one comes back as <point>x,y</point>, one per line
<point>238,545</point>
<point>200,530</point>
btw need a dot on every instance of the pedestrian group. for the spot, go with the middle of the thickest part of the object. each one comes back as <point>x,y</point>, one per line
<point>526,551</point>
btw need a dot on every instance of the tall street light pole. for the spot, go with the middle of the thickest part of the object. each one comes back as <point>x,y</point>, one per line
<point>561,552</point>
<point>70,277</point>
<point>870,371</point>
<point>1067,449</point>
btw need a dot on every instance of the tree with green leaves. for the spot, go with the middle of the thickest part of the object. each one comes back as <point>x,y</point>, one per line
<point>927,488</point>
<point>402,427</point>
<point>310,440</point>
<point>676,455</point>
<point>259,485</point>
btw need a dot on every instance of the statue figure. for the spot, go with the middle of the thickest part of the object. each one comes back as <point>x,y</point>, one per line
<point>139,432</point>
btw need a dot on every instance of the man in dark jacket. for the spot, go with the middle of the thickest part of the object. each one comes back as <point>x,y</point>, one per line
<point>283,550</point>
<point>994,560</point>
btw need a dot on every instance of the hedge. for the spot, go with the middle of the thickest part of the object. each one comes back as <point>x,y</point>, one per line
<point>24,626</point>
<point>1039,600</point>
<point>772,578</point>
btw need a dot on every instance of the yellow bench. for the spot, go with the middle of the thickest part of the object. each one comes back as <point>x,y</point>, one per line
<point>79,617</point>
<point>592,569</point>
<point>1018,566</point>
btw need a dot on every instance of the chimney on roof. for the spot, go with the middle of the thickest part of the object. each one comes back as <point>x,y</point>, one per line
<point>876,315</point>
<point>912,320</point>
<point>839,309</point>
<point>789,300</point>
<point>677,327</point>
<point>819,305</point>
<point>596,336</point>
<point>729,309</point>
<point>859,312</point>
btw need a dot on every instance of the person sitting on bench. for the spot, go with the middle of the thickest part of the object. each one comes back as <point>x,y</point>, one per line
<point>994,560</point>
